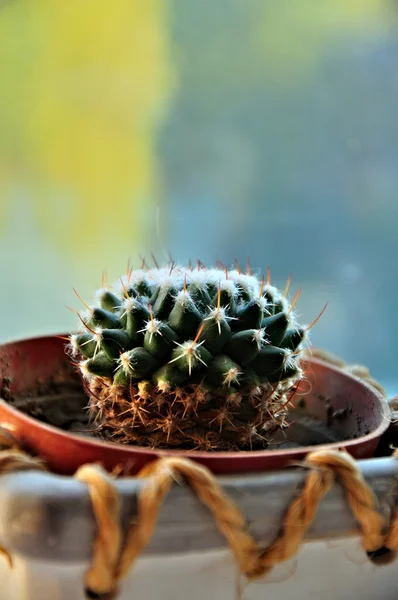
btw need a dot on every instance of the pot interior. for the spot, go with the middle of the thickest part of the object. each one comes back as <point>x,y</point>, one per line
<point>328,402</point>
<point>329,407</point>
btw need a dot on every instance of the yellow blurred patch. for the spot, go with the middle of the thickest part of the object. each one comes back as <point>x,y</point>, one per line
<point>83,87</point>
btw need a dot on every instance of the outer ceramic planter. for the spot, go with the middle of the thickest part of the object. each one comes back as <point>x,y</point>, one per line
<point>47,524</point>
<point>30,362</point>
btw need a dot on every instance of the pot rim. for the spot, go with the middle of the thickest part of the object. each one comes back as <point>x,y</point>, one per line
<point>208,455</point>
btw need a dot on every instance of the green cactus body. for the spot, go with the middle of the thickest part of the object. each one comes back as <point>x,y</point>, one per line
<point>189,358</point>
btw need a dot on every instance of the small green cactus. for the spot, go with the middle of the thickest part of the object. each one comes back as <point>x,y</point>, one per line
<point>190,358</point>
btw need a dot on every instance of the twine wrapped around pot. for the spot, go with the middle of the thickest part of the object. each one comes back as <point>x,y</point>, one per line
<point>115,552</point>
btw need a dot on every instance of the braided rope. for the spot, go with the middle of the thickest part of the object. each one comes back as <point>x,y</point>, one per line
<point>107,544</point>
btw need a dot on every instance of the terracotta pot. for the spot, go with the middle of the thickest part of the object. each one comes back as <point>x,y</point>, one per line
<point>32,362</point>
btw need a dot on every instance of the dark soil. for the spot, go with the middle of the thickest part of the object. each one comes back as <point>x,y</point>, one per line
<point>63,404</point>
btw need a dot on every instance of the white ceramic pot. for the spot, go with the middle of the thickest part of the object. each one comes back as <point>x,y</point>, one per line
<point>47,524</point>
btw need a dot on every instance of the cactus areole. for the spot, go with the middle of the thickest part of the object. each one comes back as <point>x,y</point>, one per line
<point>190,358</point>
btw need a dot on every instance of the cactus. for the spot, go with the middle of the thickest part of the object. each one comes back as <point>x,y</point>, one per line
<point>193,358</point>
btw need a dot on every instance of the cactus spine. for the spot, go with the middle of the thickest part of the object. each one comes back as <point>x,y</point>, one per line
<point>190,358</point>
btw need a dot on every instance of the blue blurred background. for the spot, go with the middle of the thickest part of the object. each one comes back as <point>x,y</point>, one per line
<point>264,128</point>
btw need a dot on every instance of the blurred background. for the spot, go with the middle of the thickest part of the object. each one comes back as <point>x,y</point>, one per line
<point>264,128</point>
